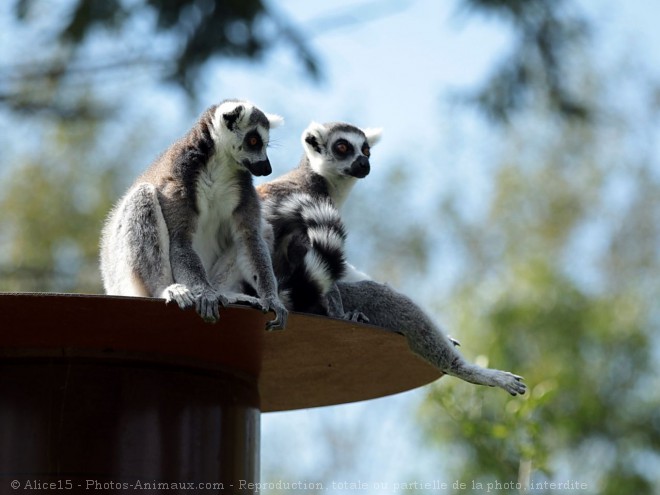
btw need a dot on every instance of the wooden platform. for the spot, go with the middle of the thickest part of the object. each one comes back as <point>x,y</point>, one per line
<point>315,362</point>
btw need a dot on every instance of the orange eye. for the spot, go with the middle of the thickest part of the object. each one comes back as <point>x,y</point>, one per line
<point>342,148</point>
<point>253,141</point>
<point>366,151</point>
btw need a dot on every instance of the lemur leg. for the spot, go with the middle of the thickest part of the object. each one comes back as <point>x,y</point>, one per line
<point>135,254</point>
<point>256,267</point>
<point>228,279</point>
<point>255,264</point>
<point>389,309</point>
<point>335,307</point>
<point>135,250</point>
<point>429,343</point>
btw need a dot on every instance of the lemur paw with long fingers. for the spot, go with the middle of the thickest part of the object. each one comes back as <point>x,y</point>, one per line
<point>281,314</point>
<point>206,304</point>
<point>510,382</point>
<point>356,316</point>
<point>205,301</point>
<point>263,305</point>
<point>180,294</point>
<point>235,298</point>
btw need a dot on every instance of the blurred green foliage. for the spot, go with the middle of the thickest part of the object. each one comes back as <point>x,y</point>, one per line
<point>52,207</point>
<point>546,32</point>
<point>578,326</point>
<point>92,41</point>
<point>181,37</point>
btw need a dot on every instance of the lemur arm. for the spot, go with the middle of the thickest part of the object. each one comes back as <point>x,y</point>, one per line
<point>190,280</point>
<point>254,257</point>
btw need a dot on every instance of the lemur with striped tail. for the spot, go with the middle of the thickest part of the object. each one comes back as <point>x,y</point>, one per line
<point>302,210</point>
<point>336,156</point>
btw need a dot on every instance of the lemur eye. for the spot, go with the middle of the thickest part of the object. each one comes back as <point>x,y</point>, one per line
<point>253,141</point>
<point>342,148</point>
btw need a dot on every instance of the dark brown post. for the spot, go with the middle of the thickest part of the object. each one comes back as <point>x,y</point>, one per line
<point>116,393</point>
<point>95,423</point>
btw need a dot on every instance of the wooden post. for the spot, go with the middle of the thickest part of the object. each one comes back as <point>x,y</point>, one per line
<point>92,423</point>
<point>112,393</point>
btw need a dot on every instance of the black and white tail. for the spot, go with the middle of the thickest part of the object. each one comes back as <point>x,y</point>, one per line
<point>309,254</point>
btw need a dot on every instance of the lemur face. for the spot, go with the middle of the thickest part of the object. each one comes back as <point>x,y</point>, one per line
<point>339,150</point>
<point>246,129</point>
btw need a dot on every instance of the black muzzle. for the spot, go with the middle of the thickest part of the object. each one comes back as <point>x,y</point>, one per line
<point>360,167</point>
<point>258,169</point>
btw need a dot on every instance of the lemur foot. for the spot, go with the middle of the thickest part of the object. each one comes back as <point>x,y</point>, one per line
<point>235,298</point>
<point>508,381</point>
<point>204,301</point>
<point>223,301</point>
<point>179,294</point>
<point>486,376</point>
<point>512,383</point>
<point>356,316</point>
<point>264,305</point>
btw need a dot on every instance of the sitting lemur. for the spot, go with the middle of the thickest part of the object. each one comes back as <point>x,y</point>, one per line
<point>302,208</point>
<point>190,229</point>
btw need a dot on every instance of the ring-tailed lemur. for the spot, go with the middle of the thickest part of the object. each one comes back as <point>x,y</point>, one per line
<point>336,155</point>
<point>190,228</point>
<point>309,234</point>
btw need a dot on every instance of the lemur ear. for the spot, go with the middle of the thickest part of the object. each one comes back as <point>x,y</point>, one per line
<point>231,117</point>
<point>314,137</point>
<point>274,120</point>
<point>373,135</point>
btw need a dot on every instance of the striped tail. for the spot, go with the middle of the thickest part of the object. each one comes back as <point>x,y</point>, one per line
<point>309,248</point>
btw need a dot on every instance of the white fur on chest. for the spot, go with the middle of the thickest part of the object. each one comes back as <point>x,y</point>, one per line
<point>338,185</point>
<point>217,196</point>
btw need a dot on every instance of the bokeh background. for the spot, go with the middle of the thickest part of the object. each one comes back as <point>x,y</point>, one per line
<point>515,195</point>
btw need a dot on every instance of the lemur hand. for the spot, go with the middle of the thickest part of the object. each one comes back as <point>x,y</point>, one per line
<point>204,300</point>
<point>281,314</point>
<point>265,305</point>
